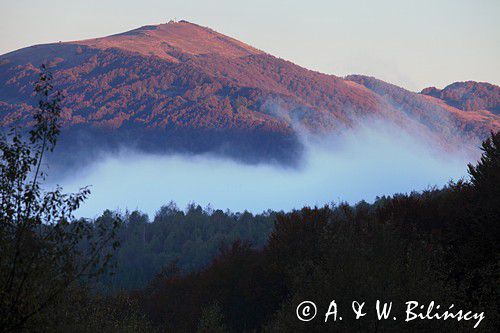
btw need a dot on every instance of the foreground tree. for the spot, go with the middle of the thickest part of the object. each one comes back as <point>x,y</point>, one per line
<point>43,252</point>
<point>485,176</point>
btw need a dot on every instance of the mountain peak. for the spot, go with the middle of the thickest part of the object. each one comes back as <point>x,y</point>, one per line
<point>167,40</point>
<point>181,86</point>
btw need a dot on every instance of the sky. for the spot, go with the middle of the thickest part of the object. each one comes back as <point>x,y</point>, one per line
<point>414,44</point>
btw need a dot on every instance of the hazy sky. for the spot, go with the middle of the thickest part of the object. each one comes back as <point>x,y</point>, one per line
<point>410,43</point>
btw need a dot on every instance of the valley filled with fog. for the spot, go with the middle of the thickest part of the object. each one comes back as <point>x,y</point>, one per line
<point>356,165</point>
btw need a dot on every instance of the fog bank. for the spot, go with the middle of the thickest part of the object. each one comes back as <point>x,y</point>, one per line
<point>356,165</point>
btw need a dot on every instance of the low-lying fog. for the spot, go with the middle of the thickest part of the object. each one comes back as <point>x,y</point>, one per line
<point>359,164</point>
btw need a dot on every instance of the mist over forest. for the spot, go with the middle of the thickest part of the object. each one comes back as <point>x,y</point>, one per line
<point>373,159</point>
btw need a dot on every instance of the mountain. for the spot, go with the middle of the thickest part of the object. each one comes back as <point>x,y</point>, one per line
<point>182,87</point>
<point>469,96</point>
<point>435,113</point>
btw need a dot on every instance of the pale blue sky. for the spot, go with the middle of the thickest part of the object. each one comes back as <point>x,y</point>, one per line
<point>410,43</point>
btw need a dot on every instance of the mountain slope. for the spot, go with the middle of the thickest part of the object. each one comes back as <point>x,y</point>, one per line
<point>182,87</point>
<point>469,96</point>
<point>431,111</point>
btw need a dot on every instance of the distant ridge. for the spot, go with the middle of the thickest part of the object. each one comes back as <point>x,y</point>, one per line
<point>469,96</point>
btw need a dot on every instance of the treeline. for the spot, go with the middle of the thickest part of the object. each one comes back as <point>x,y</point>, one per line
<point>188,239</point>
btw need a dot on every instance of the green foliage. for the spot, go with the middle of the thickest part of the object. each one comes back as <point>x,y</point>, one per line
<point>191,238</point>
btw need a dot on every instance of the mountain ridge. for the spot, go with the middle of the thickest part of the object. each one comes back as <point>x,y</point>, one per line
<point>468,95</point>
<point>180,86</point>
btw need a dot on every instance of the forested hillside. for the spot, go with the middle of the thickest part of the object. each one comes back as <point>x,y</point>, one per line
<point>181,87</point>
<point>469,95</point>
<point>188,239</point>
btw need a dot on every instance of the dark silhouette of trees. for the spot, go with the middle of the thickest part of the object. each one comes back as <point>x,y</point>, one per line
<point>41,252</point>
<point>438,245</point>
<point>486,174</point>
